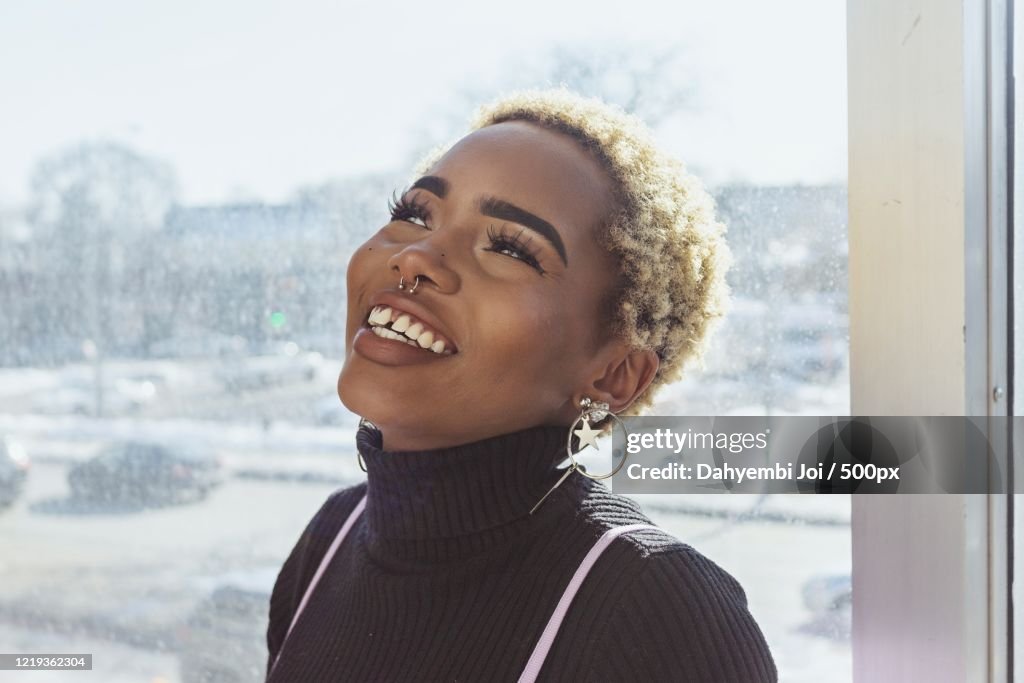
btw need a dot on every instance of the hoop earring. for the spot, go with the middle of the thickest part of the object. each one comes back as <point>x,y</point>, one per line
<point>363,422</point>
<point>589,410</point>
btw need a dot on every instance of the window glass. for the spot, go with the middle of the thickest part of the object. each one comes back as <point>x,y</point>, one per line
<point>179,196</point>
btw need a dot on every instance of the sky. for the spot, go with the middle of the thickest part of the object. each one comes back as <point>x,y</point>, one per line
<point>253,100</point>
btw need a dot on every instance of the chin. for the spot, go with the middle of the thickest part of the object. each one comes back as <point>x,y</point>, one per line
<point>363,397</point>
<point>348,394</point>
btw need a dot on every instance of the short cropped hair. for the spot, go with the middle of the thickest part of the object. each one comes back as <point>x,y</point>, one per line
<point>662,231</point>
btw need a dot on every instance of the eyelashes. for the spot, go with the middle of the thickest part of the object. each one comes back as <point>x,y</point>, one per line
<point>412,210</point>
<point>503,241</point>
<point>407,209</point>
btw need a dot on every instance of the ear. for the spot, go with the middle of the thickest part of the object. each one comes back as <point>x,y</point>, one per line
<point>622,378</point>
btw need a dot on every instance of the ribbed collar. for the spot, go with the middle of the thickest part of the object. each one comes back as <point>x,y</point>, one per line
<point>454,502</point>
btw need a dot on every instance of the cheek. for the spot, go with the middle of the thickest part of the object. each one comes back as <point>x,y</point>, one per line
<point>365,265</point>
<point>526,337</point>
<point>359,264</point>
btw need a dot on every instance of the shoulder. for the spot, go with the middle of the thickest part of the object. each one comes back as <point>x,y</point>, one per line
<point>682,617</point>
<point>653,556</point>
<point>334,511</point>
<point>300,565</point>
<point>314,540</point>
<point>601,510</point>
<point>676,616</point>
<point>657,561</point>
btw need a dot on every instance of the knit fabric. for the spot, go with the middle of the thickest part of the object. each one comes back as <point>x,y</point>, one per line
<point>445,576</point>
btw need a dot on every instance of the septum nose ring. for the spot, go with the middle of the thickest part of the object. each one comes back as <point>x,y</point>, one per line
<point>401,284</point>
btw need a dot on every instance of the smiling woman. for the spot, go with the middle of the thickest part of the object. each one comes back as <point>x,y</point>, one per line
<point>547,269</point>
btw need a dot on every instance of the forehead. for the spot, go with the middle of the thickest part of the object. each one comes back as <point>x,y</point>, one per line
<point>542,171</point>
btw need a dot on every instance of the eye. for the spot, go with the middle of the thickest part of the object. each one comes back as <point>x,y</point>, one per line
<point>513,246</point>
<point>408,210</point>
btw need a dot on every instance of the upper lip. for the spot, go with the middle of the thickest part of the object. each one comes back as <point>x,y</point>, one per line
<point>417,310</point>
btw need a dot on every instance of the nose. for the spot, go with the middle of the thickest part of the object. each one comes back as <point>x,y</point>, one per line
<point>426,258</point>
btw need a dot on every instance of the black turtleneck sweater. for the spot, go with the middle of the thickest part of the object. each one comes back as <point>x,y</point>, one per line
<point>445,576</point>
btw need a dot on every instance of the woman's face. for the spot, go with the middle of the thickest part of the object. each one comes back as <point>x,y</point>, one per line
<point>502,233</point>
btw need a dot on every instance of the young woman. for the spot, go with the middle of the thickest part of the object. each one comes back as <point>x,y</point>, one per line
<point>546,270</point>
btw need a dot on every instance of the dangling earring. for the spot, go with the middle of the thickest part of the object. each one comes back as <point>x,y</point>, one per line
<point>589,411</point>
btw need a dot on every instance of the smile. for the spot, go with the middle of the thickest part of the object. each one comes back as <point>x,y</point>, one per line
<point>392,323</point>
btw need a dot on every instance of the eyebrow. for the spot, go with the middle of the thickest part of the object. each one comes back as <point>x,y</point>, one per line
<point>499,208</point>
<point>433,184</point>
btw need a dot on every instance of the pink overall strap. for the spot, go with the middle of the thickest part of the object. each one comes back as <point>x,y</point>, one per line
<point>320,570</point>
<point>540,651</point>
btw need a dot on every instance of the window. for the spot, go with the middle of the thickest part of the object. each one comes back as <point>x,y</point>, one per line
<point>177,206</point>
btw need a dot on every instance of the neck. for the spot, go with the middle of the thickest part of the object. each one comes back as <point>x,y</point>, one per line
<point>446,503</point>
<point>397,440</point>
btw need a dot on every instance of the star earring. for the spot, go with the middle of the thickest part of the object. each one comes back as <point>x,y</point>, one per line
<point>590,411</point>
<point>595,411</point>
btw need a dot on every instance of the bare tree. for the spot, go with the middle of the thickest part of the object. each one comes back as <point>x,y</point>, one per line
<point>94,208</point>
<point>654,82</point>
<point>100,187</point>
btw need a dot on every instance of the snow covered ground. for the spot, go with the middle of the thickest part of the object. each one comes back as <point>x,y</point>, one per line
<point>120,584</point>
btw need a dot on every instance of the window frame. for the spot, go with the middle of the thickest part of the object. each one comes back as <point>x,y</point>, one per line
<point>929,89</point>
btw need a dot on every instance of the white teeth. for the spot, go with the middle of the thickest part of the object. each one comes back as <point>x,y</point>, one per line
<point>403,339</point>
<point>415,333</point>
<point>402,324</point>
<point>397,337</point>
<point>380,315</point>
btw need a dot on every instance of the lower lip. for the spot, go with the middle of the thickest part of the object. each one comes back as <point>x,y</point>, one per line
<point>390,352</point>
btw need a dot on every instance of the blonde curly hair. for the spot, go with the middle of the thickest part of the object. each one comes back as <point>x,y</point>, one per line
<point>671,249</point>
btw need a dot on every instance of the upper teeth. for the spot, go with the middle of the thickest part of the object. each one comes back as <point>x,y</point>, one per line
<point>415,333</point>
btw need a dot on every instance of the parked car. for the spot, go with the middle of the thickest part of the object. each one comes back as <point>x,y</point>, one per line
<point>281,363</point>
<point>827,593</point>
<point>14,466</point>
<point>140,471</point>
<point>224,639</point>
<point>829,599</point>
<point>78,397</point>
